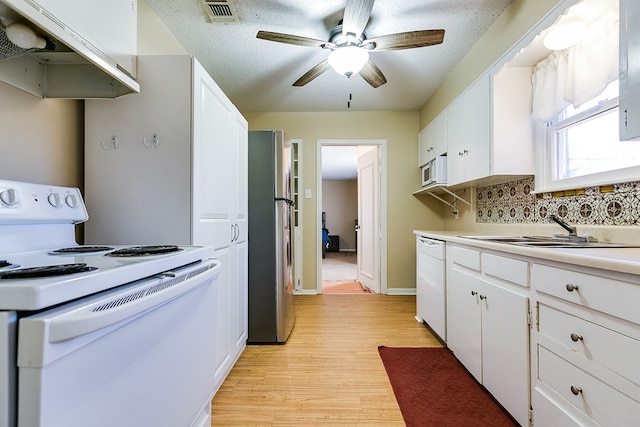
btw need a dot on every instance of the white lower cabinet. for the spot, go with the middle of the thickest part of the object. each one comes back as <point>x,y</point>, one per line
<point>231,310</point>
<point>568,358</point>
<point>488,329</point>
<point>587,347</point>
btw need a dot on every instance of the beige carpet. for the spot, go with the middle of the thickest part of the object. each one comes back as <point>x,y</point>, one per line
<point>340,273</point>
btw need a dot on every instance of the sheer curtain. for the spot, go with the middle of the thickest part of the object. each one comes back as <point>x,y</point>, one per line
<point>579,73</point>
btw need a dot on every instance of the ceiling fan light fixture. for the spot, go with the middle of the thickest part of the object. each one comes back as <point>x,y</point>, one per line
<point>348,60</point>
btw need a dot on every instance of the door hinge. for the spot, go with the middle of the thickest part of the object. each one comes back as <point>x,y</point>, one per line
<point>530,417</point>
<point>530,319</point>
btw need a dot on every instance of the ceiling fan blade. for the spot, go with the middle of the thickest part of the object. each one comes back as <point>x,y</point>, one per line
<point>372,74</point>
<point>291,39</point>
<point>356,16</point>
<point>408,40</point>
<point>312,73</point>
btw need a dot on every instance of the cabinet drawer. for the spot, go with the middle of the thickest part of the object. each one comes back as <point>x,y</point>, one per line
<point>594,398</point>
<point>469,258</point>
<point>547,412</point>
<point>509,269</point>
<point>610,296</point>
<point>592,341</point>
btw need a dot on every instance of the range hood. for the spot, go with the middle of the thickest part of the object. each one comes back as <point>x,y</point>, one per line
<point>68,67</point>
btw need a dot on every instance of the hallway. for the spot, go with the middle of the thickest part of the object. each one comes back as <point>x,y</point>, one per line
<point>340,273</point>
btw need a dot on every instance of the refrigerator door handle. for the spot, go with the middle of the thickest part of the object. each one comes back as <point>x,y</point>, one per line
<point>284,199</point>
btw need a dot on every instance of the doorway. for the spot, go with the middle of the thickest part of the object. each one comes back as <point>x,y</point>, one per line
<point>352,218</point>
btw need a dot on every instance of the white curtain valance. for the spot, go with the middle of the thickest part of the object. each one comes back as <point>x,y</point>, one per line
<point>579,73</point>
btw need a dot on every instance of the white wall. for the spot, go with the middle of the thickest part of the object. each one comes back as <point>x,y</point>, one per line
<point>41,140</point>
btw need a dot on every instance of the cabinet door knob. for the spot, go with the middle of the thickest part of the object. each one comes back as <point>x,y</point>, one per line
<point>571,287</point>
<point>474,293</point>
<point>576,390</point>
<point>576,337</point>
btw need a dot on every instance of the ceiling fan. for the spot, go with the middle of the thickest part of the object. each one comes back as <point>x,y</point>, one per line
<point>350,47</point>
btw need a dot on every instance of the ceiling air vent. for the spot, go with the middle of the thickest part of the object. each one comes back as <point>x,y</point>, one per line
<point>220,11</point>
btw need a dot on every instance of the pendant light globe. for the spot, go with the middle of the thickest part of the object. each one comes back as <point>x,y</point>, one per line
<point>348,60</point>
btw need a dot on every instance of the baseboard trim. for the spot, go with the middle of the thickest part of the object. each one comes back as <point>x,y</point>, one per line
<point>401,291</point>
<point>305,292</point>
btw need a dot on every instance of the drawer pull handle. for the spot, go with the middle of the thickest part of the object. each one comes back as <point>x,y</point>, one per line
<point>474,293</point>
<point>571,287</point>
<point>576,337</point>
<point>576,390</point>
<point>482,297</point>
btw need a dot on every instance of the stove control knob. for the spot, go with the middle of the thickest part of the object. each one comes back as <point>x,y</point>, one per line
<point>72,201</point>
<point>54,200</point>
<point>9,197</point>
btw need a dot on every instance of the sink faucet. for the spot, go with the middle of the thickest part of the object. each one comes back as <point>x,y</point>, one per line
<point>570,229</point>
<point>573,235</point>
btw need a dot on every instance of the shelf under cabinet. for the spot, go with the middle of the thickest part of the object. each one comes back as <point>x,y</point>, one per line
<point>437,190</point>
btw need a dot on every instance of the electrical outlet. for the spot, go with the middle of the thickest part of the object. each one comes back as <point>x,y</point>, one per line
<point>307,193</point>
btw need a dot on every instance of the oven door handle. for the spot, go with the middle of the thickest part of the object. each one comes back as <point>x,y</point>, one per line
<point>130,303</point>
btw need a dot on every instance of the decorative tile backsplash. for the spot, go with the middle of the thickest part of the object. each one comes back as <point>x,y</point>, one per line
<point>512,202</point>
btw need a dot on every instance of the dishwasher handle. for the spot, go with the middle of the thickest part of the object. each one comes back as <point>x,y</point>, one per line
<point>430,242</point>
<point>128,303</point>
<point>431,247</point>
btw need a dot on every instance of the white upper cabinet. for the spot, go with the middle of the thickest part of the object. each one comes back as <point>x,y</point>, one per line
<point>433,139</point>
<point>490,130</point>
<point>468,131</point>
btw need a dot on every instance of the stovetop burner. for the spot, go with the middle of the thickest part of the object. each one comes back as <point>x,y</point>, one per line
<point>144,251</point>
<point>6,265</point>
<point>80,250</point>
<point>46,271</point>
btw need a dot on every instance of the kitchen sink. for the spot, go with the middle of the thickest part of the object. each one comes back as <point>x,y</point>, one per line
<point>548,242</point>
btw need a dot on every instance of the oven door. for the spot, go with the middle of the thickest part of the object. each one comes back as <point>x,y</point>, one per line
<point>142,354</point>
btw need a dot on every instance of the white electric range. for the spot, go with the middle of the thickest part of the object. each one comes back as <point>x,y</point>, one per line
<point>99,335</point>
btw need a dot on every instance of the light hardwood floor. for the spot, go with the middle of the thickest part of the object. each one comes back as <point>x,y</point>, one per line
<point>329,372</point>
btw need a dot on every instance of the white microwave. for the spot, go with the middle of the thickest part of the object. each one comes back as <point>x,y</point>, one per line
<point>435,172</point>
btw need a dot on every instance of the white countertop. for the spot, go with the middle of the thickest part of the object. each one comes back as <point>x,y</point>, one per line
<point>622,260</point>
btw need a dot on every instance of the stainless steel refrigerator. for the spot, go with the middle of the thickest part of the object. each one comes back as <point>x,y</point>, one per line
<point>271,311</point>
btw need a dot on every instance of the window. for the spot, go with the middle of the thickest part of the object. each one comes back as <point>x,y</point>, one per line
<point>582,147</point>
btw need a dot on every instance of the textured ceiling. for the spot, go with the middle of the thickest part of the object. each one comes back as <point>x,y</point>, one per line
<point>257,74</point>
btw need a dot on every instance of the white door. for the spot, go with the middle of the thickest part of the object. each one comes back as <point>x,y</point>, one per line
<point>464,327</point>
<point>369,219</point>
<point>505,348</point>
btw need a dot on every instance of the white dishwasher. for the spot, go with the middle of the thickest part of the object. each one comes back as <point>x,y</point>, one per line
<point>430,284</point>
